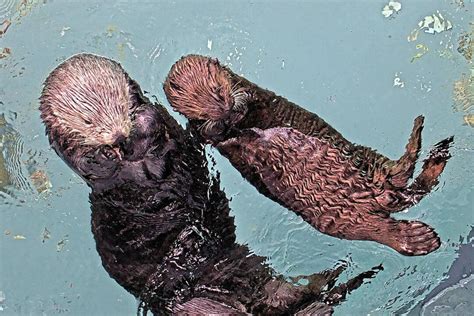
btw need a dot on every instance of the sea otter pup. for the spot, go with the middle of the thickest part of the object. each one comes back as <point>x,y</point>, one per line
<point>298,160</point>
<point>160,221</point>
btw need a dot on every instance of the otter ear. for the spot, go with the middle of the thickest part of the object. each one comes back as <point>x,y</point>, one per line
<point>205,306</point>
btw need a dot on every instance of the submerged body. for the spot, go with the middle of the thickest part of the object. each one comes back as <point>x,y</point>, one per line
<point>161,223</point>
<point>294,157</point>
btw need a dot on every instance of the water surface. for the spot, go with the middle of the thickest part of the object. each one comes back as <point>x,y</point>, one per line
<point>339,59</point>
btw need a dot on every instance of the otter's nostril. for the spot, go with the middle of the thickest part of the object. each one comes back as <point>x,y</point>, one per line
<point>120,139</point>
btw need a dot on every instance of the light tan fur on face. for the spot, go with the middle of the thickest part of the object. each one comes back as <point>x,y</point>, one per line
<point>87,99</point>
<point>199,88</point>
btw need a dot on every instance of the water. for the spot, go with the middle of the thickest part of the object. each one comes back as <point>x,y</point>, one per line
<point>338,59</point>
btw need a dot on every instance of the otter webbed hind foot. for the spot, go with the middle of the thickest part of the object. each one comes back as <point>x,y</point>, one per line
<point>318,281</point>
<point>425,182</point>
<point>407,196</point>
<point>409,238</point>
<point>333,295</point>
<point>432,168</point>
<point>287,298</point>
<point>338,293</point>
<point>404,167</point>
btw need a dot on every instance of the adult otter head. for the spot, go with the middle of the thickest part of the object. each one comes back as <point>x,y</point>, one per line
<point>96,118</point>
<point>202,89</point>
<point>86,99</point>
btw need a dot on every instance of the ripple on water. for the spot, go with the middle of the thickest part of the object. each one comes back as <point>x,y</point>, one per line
<point>11,145</point>
<point>7,8</point>
<point>18,176</point>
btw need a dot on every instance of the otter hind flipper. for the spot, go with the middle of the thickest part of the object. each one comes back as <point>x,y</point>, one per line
<point>404,167</point>
<point>327,278</point>
<point>432,168</point>
<point>337,294</point>
<point>428,178</point>
<point>329,294</point>
<point>402,171</point>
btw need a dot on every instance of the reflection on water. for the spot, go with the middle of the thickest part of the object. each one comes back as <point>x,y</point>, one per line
<point>321,55</point>
<point>19,171</point>
<point>453,295</point>
<point>10,165</point>
<point>463,95</point>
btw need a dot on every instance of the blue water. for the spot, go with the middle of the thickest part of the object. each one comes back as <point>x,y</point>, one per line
<point>336,58</point>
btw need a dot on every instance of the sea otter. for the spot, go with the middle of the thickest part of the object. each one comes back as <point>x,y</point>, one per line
<point>160,221</point>
<point>297,159</point>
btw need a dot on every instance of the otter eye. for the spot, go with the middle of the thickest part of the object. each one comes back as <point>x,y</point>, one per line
<point>87,122</point>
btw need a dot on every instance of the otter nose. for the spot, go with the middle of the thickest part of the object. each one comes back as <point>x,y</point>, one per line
<point>120,139</point>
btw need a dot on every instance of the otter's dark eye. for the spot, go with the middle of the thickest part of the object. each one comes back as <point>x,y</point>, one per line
<point>87,122</point>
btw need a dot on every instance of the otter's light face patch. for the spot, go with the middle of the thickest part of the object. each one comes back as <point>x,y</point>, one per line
<point>87,98</point>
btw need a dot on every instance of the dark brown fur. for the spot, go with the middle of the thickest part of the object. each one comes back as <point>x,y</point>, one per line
<point>161,223</point>
<point>294,157</point>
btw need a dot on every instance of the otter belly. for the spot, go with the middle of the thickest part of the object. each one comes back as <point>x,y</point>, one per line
<point>301,172</point>
<point>321,184</point>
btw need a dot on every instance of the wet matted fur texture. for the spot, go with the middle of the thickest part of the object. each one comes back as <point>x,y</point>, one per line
<point>297,159</point>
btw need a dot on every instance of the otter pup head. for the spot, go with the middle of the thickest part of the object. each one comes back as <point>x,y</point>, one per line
<point>96,119</point>
<point>202,89</point>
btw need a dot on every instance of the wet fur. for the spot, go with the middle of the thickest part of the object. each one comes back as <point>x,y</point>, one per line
<point>294,157</point>
<point>162,225</point>
<point>89,104</point>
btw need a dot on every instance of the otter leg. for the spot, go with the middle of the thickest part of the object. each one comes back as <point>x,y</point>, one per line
<point>410,238</point>
<point>282,296</point>
<point>398,199</point>
<point>403,169</point>
<point>428,178</point>
<point>317,282</point>
<point>432,168</point>
<point>334,295</point>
